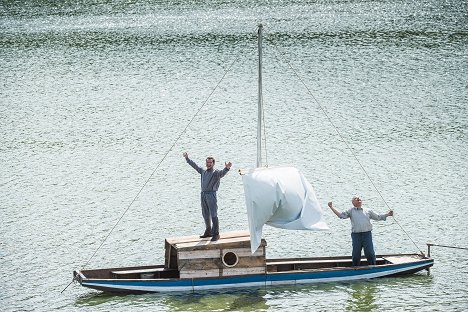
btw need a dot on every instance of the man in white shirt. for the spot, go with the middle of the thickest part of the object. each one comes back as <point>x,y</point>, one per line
<point>361,229</point>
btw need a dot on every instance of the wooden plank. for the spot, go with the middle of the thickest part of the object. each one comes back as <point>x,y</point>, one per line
<point>245,252</point>
<point>304,261</point>
<point>215,253</point>
<point>200,264</point>
<point>243,271</point>
<point>236,242</point>
<point>216,263</point>
<point>167,256</point>
<point>200,273</point>
<point>205,242</point>
<point>401,259</point>
<point>224,272</point>
<point>198,254</point>
<point>195,238</point>
<point>138,271</point>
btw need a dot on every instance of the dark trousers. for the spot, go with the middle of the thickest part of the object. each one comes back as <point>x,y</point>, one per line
<point>209,204</point>
<point>360,241</point>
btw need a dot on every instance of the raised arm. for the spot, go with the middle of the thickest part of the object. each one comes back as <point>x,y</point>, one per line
<point>227,166</point>
<point>192,163</point>
<point>338,214</point>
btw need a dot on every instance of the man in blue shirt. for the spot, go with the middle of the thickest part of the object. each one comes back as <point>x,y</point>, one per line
<point>361,229</point>
<point>210,179</point>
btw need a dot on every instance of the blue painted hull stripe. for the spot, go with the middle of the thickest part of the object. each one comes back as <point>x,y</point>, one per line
<point>254,280</point>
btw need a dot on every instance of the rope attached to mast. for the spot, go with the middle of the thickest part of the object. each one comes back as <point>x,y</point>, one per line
<point>157,166</point>
<point>345,142</point>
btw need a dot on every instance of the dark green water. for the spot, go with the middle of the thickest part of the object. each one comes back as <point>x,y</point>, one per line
<point>94,94</point>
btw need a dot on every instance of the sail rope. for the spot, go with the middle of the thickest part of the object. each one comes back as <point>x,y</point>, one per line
<point>343,139</point>
<point>159,164</point>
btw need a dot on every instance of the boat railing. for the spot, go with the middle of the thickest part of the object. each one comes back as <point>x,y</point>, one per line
<point>429,245</point>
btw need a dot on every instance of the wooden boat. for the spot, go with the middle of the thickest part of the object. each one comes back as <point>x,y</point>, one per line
<point>238,259</point>
<point>194,264</point>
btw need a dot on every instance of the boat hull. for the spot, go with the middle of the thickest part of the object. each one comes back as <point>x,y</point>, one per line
<point>293,277</point>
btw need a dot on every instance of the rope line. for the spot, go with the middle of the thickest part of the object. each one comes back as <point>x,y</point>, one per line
<point>343,139</point>
<point>160,162</point>
<point>165,156</point>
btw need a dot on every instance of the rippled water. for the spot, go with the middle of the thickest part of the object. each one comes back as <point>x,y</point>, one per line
<point>97,95</point>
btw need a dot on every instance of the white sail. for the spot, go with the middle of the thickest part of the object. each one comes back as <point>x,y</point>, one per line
<point>281,197</point>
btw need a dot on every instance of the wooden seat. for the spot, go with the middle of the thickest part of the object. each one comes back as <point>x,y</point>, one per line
<point>139,271</point>
<point>146,273</point>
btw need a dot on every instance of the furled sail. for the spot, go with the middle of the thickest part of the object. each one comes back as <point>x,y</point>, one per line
<point>281,197</point>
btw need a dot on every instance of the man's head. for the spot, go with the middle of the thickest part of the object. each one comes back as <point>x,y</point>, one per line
<point>357,201</point>
<point>210,162</point>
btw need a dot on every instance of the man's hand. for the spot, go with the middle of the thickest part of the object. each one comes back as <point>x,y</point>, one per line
<point>330,204</point>
<point>228,165</point>
<point>185,155</point>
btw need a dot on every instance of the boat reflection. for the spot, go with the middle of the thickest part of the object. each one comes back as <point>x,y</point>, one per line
<point>233,300</point>
<point>363,294</point>
<point>362,297</point>
<point>239,300</point>
<point>357,296</point>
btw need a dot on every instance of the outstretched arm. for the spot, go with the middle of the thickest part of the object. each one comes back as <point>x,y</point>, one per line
<point>378,217</point>
<point>338,214</point>
<point>191,163</point>
<point>227,166</point>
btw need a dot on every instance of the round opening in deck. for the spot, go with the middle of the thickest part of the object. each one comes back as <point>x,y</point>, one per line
<point>230,259</point>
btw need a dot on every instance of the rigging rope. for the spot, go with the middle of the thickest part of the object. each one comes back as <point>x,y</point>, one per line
<point>344,140</point>
<point>165,155</point>
<point>160,162</point>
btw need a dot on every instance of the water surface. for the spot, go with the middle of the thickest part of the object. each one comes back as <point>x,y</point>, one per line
<point>98,98</point>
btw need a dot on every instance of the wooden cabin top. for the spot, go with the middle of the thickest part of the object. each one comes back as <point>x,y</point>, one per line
<point>235,239</point>
<point>195,257</point>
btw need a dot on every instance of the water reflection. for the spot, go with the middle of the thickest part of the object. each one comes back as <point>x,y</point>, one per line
<point>353,296</point>
<point>239,300</point>
<point>362,297</point>
<point>233,300</point>
<point>96,299</point>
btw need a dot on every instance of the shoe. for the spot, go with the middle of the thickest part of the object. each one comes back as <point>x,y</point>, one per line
<point>215,238</point>
<point>206,234</point>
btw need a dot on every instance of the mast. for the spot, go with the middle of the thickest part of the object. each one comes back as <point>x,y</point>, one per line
<point>260,109</point>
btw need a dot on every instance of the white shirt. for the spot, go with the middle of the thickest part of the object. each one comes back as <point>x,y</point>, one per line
<point>360,218</point>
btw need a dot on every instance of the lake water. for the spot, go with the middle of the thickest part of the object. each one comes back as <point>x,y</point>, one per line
<point>98,100</point>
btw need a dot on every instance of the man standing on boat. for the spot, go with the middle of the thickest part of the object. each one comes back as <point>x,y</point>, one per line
<point>361,229</point>
<point>210,179</point>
